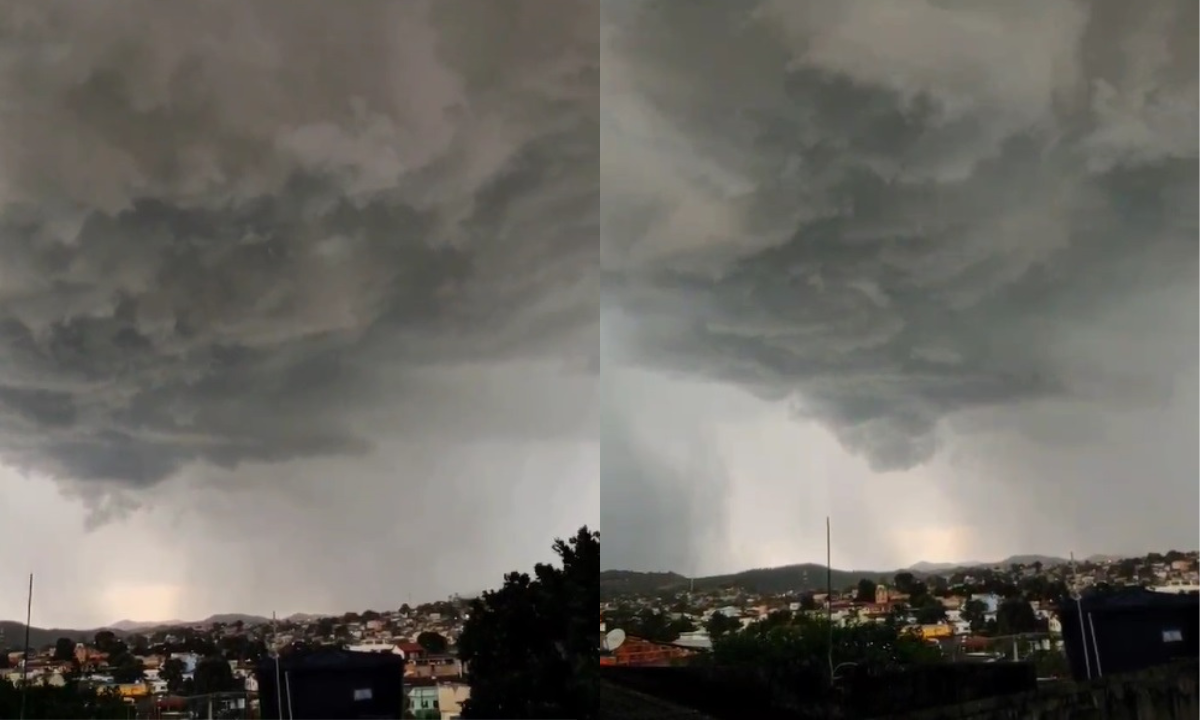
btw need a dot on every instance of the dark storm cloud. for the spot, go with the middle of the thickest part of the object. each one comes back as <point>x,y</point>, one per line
<point>230,230</point>
<point>896,213</point>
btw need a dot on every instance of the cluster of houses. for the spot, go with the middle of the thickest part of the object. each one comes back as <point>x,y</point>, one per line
<point>433,681</point>
<point>953,632</point>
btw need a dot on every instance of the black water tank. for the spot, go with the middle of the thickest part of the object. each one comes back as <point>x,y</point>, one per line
<point>332,683</point>
<point>1128,630</point>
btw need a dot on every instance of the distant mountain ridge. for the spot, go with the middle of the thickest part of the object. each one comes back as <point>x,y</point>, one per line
<point>223,618</point>
<point>802,577</point>
<point>806,577</point>
<point>13,632</point>
<point>14,635</point>
<point>134,625</point>
<point>1045,560</point>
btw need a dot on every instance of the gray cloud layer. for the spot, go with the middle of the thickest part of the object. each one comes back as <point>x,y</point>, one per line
<point>225,251</point>
<point>898,216</point>
<point>240,236</point>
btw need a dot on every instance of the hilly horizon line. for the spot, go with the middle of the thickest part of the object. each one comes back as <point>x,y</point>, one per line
<point>921,566</point>
<point>127,626</point>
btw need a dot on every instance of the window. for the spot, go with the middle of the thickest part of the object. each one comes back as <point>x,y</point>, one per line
<point>1172,636</point>
<point>362,694</point>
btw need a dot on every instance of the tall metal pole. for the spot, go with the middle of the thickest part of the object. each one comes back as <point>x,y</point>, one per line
<point>25,651</point>
<point>829,592</point>
<point>278,679</point>
<point>1087,663</point>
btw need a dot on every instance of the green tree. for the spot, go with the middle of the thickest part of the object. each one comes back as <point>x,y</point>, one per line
<point>974,612</point>
<point>432,643</point>
<point>64,649</point>
<point>1014,617</point>
<point>720,625</point>
<point>903,582</point>
<point>69,701</point>
<point>106,642</point>
<point>325,627</point>
<point>532,647</point>
<point>213,674</point>
<point>866,591</point>
<point>804,645</point>
<point>651,625</point>
<point>930,613</point>
<point>1049,663</point>
<point>128,669</point>
<point>172,672</point>
<point>141,646</point>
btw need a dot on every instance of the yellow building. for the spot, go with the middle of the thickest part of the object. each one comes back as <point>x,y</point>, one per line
<point>931,632</point>
<point>451,696</point>
<point>133,690</point>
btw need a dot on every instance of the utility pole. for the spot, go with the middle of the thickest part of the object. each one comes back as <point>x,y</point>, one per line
<point>829,592</point>
<point>25,650</point>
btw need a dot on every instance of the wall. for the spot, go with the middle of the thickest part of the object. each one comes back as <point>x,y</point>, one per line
<point>1163,693</point>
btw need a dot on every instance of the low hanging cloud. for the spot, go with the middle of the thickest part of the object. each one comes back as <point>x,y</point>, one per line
<point>248,233</point>
<point>899,216</point>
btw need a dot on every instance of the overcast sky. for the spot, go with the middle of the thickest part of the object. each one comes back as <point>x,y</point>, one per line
<point>314,307</point>
<point>927,267</point>
<point>298,302</point>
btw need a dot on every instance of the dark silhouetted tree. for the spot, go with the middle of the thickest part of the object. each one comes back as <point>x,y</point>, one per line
<point>64,649</point>
<point>1016,616</point>
<point>532,647</point>
<point>128,669</point>
<point>974,612</point>
<point>213,674</point>
<point>325,627</point>
<point>105,641</point>
<point>802,646</point>
<point>930,613</point>
<point>172,672</point>
<point>866,591</point>
<point>432,643</point>
<point>68,701</point>
<point>720,625</point>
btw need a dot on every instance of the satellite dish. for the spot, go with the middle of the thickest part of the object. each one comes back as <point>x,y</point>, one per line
<point>613,639</point>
